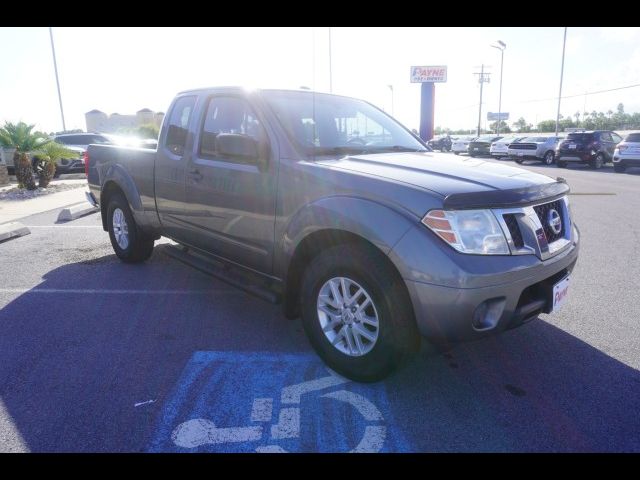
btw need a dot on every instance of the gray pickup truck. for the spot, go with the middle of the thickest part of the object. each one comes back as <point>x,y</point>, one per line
<point>328,205</point>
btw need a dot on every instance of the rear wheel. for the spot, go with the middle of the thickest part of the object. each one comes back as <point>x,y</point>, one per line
<point>619,168</point>
<point>127,240</point>
<point>519,161</point>
<point>456,153</point>
<point>597,162</point>
<point>548,158</point>
<point>357,313</point>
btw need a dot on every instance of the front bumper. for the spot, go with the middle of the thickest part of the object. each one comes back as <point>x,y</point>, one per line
<point>493,293</point>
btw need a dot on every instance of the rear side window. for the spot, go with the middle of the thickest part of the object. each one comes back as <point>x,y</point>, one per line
<point>632,137</point>
<point>580,137</point>
<point>606,137</point>
<point>178,126</point>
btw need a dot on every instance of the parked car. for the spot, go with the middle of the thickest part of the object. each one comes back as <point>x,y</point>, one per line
<point>500,148</point>
<point>593,147</point>
<point>441,142</point>
<point>372,245</point>
<point>627,153</point>
<point>77,142</point>
<point>541,149</point>
<point>461,144</point>
<point>482,145</point>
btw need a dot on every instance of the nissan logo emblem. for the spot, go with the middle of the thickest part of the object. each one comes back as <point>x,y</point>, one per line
<point>554,221</point>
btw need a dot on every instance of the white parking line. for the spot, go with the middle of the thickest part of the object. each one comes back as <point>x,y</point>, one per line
<point>119,292</point>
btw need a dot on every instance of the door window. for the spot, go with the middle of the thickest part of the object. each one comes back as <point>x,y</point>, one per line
<point>228,115</point>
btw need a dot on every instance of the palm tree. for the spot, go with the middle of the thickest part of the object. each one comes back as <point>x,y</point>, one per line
<point>45,160</point>
<point>19,136</point>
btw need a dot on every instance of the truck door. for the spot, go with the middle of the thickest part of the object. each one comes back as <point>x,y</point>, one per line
<point>231,200</point>
<point>174,149</point>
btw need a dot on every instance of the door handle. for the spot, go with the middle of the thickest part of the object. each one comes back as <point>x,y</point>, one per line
<point>195,174</point>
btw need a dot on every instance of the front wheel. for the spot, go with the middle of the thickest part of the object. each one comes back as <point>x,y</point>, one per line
<point>357,313</point>
<point>128,242</point>
<point>562,164</point>
<point>548,158</point>
<point>456,153</point>
<point>519,161</point>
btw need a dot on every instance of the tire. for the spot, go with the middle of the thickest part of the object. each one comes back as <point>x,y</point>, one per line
<point>619,168</point>
<point>456,153</point>
<point>396,334</point>
<point>548,158</point>
<point>597,162</point>
<point>519,161</point>
<point>561,164</point>
<point>472,155</point>
<point>134,247</point>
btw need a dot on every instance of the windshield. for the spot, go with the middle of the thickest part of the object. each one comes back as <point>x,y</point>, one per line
<point>632,137</point>
<point>583,137</point>
<point>487,138</point>
<point>324,124</point>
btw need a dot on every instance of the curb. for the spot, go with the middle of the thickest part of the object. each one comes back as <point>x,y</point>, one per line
<point>75,211</point>
<point>12,230</point>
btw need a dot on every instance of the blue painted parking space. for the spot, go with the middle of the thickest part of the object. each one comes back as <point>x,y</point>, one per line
<point>268,402</point>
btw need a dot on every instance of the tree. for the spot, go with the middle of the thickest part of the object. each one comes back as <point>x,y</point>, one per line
<point>19,136</point>
<point>547,126</point>
<point>148,130</point>
<point>45,160</point>
<point>521,125</point>
<point>577,115</point>
<point>504,128</point>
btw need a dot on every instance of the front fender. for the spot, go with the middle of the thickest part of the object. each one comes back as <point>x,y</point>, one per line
<point>380,224</point>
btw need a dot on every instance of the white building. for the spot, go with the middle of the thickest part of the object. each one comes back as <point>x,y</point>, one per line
<point>98,121</point>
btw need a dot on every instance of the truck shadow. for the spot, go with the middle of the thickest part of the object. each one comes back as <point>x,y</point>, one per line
<point>75,360</point>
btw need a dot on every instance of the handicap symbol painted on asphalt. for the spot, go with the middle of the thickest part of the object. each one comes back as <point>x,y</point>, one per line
<point>254,402</point>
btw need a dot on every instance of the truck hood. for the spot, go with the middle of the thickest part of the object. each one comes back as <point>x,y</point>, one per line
<point>441,173</point>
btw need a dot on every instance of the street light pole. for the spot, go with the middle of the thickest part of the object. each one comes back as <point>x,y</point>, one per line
<point>391,88</point>
<point>55,68</point>
<point>564,43</point>
<point>501,46</point>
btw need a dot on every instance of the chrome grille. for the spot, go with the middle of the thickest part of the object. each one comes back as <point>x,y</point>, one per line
<point>542,211</point>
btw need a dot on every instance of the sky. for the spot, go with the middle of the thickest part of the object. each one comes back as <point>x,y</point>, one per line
<point>126,69</point>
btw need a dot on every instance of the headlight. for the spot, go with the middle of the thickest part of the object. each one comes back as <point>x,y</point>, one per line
<point>468,231</point>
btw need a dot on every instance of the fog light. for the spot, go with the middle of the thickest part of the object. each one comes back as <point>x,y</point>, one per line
<point>488,313</point>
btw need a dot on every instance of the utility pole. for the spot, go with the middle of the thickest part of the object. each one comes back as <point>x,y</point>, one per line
<point>55,68</point>
<point>482,78</point>
<point>564,42</point>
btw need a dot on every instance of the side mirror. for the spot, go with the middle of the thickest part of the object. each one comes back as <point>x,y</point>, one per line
<point>234,145</point>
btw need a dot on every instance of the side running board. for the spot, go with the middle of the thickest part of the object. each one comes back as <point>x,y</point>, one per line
<point>249,282</point>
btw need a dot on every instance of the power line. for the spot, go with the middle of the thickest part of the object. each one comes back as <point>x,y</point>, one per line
<point>580,94</point>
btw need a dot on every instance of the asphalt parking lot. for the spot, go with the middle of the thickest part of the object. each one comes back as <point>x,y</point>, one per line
<point>97,355</point>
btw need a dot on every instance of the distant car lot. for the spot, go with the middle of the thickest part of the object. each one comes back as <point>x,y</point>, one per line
<point>100,356</point>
